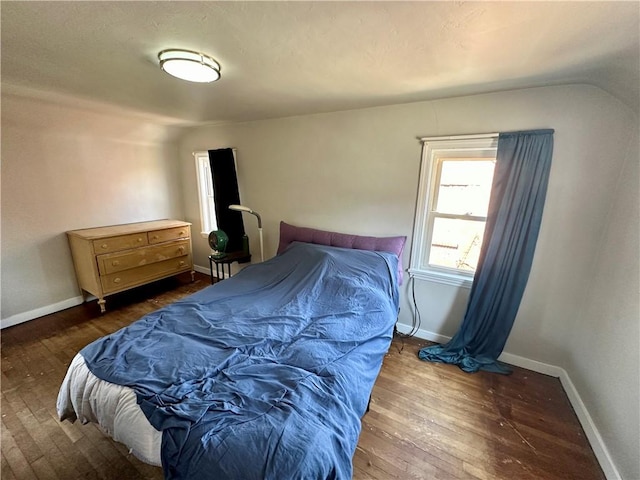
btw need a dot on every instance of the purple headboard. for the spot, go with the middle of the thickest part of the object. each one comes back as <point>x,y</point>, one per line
<point>290,233</point>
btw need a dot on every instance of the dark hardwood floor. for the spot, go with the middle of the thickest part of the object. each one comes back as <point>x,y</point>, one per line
<point>426,421</point>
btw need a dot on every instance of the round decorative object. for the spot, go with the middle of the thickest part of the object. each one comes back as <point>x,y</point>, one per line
<point>218,242</point>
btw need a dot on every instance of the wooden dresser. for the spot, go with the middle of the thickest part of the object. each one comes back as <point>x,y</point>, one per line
<point>119,257</point>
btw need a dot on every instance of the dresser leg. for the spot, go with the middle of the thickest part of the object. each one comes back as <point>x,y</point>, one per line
<point>102,302</point>
<point>193,276</point>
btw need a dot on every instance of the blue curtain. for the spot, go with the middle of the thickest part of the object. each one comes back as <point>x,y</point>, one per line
<point>518,192</point>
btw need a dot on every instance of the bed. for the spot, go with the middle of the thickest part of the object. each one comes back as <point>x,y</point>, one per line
<point>265,375</point>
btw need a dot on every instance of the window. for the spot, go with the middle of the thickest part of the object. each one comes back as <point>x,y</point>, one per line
<point>453,199</point>
<point>205,193</point>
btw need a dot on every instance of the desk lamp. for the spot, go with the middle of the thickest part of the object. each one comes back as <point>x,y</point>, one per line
<point>242,208</point>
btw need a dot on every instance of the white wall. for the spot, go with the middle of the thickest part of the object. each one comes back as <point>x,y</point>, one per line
<point>602,347</point>
<point>65,168</point>
<point>357,172</point>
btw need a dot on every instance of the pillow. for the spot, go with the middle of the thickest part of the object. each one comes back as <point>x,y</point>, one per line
<point>291,233</point>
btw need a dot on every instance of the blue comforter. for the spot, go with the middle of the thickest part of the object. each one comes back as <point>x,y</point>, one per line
<point>264,375</point>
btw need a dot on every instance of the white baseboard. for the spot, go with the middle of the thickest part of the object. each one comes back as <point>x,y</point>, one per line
<point>201,269</point>
<point>40,312</point>
<point>206,271</point>
<point>56,307</point>
<point>593,435</point>
<point>424,334</point>
<point>534,365</point>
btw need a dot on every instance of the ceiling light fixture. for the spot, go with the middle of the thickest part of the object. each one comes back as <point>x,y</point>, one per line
<point>190,66</point>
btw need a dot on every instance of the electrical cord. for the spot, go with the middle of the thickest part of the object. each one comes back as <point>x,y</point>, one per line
<point>416,319</point>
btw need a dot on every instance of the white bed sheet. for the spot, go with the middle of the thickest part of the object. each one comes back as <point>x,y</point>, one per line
<point>85,397</point>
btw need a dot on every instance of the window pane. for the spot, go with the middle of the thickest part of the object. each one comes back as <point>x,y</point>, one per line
<point>456,243</point>
<point>205,193</point>
<point>465,187</point>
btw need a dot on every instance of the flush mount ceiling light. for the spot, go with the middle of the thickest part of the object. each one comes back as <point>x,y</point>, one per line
<point>190,66</point>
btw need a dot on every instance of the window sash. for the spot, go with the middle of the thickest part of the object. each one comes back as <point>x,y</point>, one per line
<point>444,200</point>
<point>429,244</point>
<point>205,193</point>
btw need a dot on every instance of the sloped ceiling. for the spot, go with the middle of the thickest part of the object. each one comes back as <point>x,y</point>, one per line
<point>290,58</point>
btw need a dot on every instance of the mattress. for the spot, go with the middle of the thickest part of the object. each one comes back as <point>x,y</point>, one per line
<point>114,408</point>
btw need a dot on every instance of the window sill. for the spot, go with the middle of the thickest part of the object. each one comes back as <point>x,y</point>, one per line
<point>441,277</point>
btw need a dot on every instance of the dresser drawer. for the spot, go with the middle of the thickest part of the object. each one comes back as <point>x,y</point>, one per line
<point>115,282</point>
<point>117,262</point>
<point>159,236</point>
<point>121,242</point>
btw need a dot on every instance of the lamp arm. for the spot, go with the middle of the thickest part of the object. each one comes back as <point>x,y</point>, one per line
<point>259,219</point>
<point>261,244</point>
<point>242,208</point>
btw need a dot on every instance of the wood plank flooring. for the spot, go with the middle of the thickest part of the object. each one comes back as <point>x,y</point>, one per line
<point>426,421</point>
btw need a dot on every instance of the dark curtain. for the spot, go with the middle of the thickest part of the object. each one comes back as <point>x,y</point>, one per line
<point>225,193</point>
<point>518,192</point>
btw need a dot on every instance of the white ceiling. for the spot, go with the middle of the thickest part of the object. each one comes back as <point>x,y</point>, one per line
<point>290,58</point>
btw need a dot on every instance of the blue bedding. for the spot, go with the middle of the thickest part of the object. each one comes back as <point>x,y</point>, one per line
<point>265,375</point>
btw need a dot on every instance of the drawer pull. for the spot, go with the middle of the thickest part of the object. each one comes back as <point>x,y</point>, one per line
<point>181,249</point>
<point>155,237</point>
<point>139,240</point>
<point>117,280</point>
<point>115,263</point>
<point>181,263</point>
<point>104,245</point>
<point>181,233</point>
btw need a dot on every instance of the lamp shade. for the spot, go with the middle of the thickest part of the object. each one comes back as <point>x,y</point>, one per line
<point>240,208</point>
<point>189,65</point>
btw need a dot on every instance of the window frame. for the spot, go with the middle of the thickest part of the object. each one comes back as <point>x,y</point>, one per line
<point>434,151</point>
<point>206,200</point>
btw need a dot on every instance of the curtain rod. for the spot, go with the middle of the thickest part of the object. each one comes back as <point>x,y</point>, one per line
<point>195,152</point>
<point>459,137</point>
